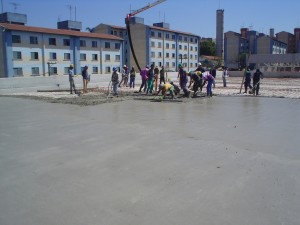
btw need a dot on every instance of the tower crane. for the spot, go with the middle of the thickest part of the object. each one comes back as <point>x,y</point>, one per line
<point>127,21</point>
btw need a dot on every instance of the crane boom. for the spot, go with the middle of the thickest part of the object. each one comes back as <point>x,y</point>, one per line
<point>127,20</point>
<point>150,5</point>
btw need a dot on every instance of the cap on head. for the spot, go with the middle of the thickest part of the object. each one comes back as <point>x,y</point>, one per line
<point>71,66</point>
<point>114,69</point>
<point>179,65</point>
<point>199,64</point>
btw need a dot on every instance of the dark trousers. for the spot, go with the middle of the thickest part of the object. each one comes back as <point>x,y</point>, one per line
<point>72,86</point>
<point>131,82</point>
<point>143,85</point>
<point>256,86</point>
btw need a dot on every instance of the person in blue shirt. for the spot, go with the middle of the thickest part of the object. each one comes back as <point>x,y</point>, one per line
<point>71,79</point>
<point>247,82</point>
<point>150,79</point>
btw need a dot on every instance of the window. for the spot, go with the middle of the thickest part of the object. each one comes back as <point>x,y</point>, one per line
<point>18,71</point>
<point>35,71</point>
<point>167,36</point>
<point>117,45</point>
<point>185,47</point>
<point>66,42</point>
<point>117,58</point>
<point>82,57</point>
<point>94,44</point>
<point>191,64</point>
<point>167,55</point>
<point>185,39</point>
<point>173,37</point>
<point>121,33</point>
<point>180,38</point>
<point>17,55</point>
<point>196,49</point>
<point>152,34</point>
<point>53,70</point>
<point>173,46</point>
<point>115,33</point>
<point>159,44</point>
<point>82,43</point>
<point>167,45</point>
<point>33,40</point>
<point>16,39</point>
<point>107,57</point>
<point>67,56</point>
<point>180,47</point>
<point>66,70</point>
<point>167,64</point>
<point>196,40</point>
<point>95,57</point>
<point>107,45</point>
<point>152,44</point>
<point>191,40</point>
<point>95,70</point>
<point>52,41</point>
<point>152,54</point>
<point>34,55</point>
<point>191,56</point>
<point>52,56</point>
<point>196,56</point>
<point>107,69</point>
<point>173,55</point>
<point>159,34</point>
<point>159,55</point>
<point>191,48</point>
<point>159,64</point>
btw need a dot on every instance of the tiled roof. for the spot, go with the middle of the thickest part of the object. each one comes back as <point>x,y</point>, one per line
<point>16,27</point>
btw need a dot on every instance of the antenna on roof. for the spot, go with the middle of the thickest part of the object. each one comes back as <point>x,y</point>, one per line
<point>2,5</point>
<point>70,8</point>
<point>15,5</point>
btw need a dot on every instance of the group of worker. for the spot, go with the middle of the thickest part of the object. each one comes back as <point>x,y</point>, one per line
<point>150,75</point>
<point>85,78</point>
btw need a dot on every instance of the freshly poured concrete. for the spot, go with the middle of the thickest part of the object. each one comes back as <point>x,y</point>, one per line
<point>229,161</point>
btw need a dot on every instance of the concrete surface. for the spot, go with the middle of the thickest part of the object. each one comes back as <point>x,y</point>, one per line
<point>223,160</point>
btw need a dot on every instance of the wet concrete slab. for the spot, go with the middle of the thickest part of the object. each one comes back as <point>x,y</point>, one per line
<point>220,160</point>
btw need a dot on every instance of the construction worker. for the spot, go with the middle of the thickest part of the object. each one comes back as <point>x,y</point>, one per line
<point>200,70</point>
<point>162,75</point>
<point>150,79</point>
<point>195,81</point>
<point>115,81</point>
<point>156,72</point>
<point>256,81</point>
<point>124,76</point>
<point>183,79</point>
<point>144,77</point>
<point>85,77</point>
<point>164,88</point>
<point>207,77</point>
<point>71,79</point>
<point>247,82</point>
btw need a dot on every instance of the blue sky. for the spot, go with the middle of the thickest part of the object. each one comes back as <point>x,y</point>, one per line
<point>194,16</point>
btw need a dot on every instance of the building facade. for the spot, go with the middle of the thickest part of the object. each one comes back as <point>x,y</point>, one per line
<point>289,39</point>
<point>238,47</point>
<point>158,45</point>
<point>34,51</point>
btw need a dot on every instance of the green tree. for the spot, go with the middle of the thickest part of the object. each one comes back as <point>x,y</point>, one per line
<point>208,48</point>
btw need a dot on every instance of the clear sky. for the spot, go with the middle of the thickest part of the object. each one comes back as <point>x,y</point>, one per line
<point>194,16</point>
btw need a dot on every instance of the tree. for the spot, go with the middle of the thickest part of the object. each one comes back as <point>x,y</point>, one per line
<point>208,48</point>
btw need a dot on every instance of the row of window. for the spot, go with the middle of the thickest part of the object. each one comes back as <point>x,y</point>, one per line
<point>185,56</point>
<point>173,37</point>
<point>35,71</point>
<point>167,65</point>
<point>17,55</point>
<point>66,42</point>
<point>159,45</point>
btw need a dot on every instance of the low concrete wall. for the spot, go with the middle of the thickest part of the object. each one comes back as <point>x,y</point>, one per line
<point>266,74</point>
<point>27,84</point>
